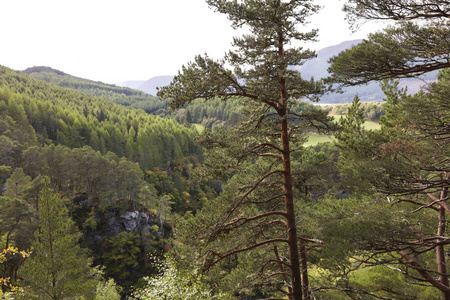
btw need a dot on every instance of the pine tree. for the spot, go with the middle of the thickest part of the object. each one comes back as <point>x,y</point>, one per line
<point>58,267</point>
<point>406,163</point>
<point>262,77</point>
<point>418,42</point>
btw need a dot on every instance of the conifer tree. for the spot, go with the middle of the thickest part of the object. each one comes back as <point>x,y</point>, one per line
<point>406,163</point>
<point>58,267</point>
<point>417,43</point>
<point>262,77</point>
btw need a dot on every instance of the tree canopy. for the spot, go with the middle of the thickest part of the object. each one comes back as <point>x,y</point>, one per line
<point>418,42</point>
<point>261,202</point>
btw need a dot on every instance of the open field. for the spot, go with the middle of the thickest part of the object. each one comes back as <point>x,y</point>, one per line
<point>315,138</point>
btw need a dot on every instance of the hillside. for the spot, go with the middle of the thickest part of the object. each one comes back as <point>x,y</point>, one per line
<point>110,163</point>
<point>120,95</point>
<point>213,113</point>
<point>74,119</point>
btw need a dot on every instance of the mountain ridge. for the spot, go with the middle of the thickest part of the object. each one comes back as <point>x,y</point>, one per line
<point>317,68</point>
<point>148,86</point>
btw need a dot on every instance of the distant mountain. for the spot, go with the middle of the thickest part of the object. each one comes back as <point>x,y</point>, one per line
<point>132,84</point>
<point>316,68</point>
<point>148,86</point>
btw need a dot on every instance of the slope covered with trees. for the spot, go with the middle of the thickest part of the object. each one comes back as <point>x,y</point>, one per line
<point>120,95</point>
<point>261,216</point>
<point>108,160</point>
<point>210,114</point>
<point>74,119</point>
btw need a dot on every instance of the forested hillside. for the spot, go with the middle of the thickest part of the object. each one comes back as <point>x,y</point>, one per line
<point>211,114</point>
<point>74,119</point>
<point>120,95</point>
<point>120,170</point>
<point>105,201</point>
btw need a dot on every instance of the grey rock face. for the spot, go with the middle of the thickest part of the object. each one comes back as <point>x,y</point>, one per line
<point>133,219</point>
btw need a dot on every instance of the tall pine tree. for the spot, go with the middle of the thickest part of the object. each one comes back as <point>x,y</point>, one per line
<point>58,267</point>
<point>264,204</point>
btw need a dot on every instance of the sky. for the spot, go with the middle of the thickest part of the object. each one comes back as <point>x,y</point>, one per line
<point>113,41</point>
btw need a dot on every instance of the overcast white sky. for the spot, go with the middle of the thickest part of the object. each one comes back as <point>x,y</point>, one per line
<point>119,40</point>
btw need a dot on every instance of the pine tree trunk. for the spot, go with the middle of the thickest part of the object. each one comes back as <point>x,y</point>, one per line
<point>304,270</point>
<point>296,281</point>
<point>440,251</point>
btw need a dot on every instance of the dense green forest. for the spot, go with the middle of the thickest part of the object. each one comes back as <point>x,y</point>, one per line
<point>363,218</point>
<point>106,159</point>
<point>210,114</point>
<point>109,193</point>
<point>119,95</point>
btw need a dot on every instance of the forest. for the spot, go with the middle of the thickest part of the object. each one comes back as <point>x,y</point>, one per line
<point>209,190</point>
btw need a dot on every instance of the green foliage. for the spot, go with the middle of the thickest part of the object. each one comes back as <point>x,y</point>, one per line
<point>39,113</point>
<point>46,131</point>
<point>256,211</point>
<point>173,284</point>
<point>417,44</point>
<point>210,114</point>
<point>120,257</point>
<point>127,256</point>
<point>18,204</point>
<point>402,167</point>
<point>352,260</point>
<point>119,95</point>
<point>58,267</point>
<point>369,279</point>
<point>381,242</point>
<point>113,181</point>
<point>107,291</point>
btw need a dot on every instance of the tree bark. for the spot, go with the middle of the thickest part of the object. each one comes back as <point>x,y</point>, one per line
<point>440,251</point>
<point>290,216</point>
<point>304,270</point>
<point>291,226</point>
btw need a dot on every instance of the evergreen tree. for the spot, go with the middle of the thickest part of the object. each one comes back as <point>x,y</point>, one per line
<point>107,291</point>
<point>407,158</point>
<point>406,163</point>
<point>58,267</point>
<point>417,44</point>
<point>262,77</point>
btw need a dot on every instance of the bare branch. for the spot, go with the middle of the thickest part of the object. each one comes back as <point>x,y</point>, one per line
<point>438,201</point>
<point>260,146</point>
<point>246,220</point>
<point>416,265</point>
<point>228,254</point>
